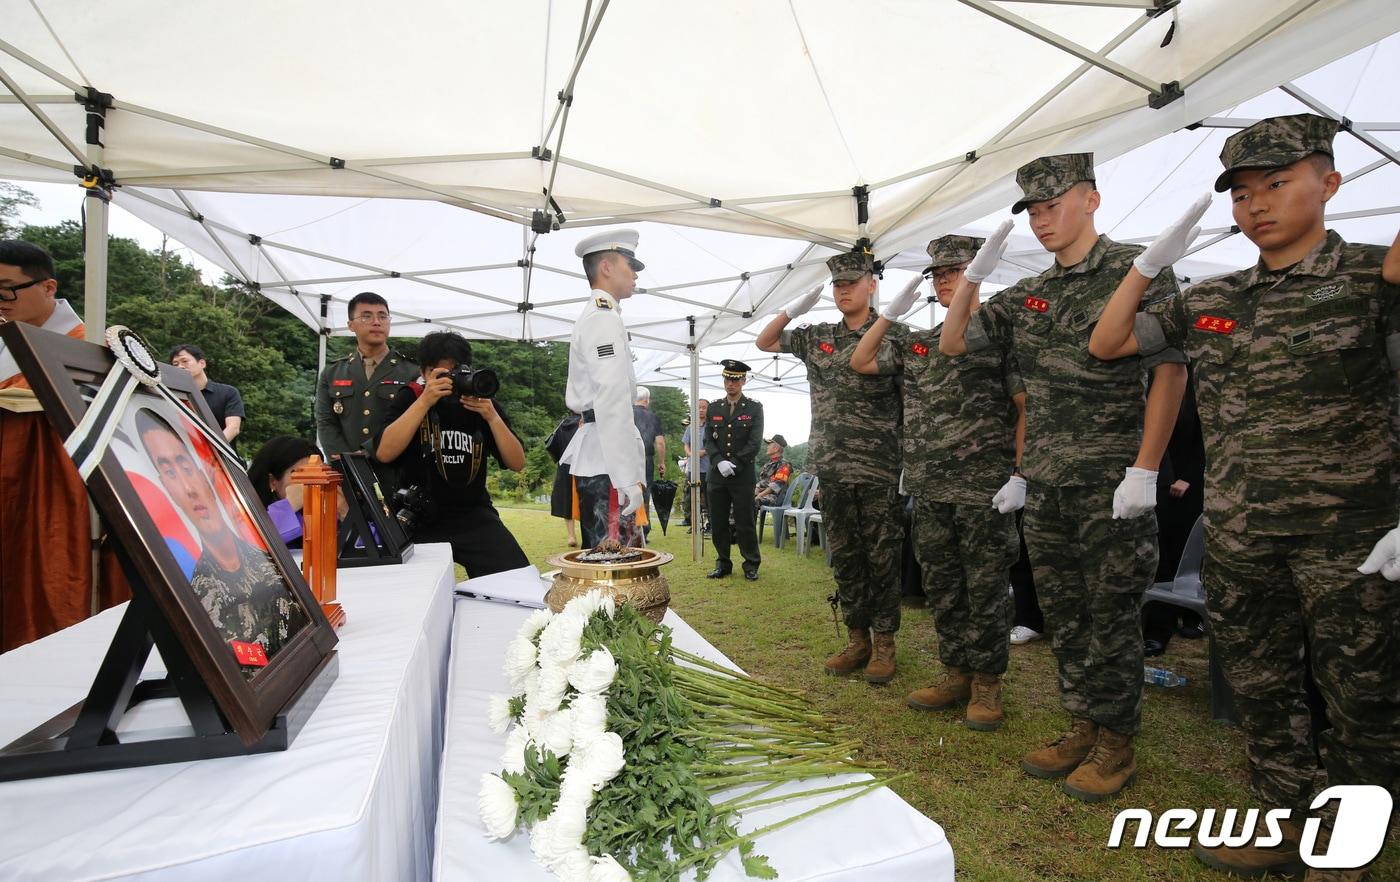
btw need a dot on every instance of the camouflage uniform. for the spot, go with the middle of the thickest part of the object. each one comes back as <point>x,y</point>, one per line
<point>1083,428</point>
<point>954,463</point>
<point>773,479</point>
<point>854,451</point>
<point>1296,386</point>
<point>251,605</point>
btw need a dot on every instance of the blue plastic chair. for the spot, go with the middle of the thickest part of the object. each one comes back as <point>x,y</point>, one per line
<point>776,510</point>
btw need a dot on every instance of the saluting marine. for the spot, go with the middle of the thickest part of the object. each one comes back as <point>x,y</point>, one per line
<point>733,434</point>
<point>605,456</point>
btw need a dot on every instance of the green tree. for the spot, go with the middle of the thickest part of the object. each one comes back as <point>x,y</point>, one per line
<point>12,199</point>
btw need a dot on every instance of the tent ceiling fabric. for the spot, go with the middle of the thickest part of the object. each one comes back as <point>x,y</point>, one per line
<point>225,124</point>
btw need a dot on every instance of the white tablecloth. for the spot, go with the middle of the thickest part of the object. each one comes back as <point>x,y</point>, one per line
<point>877,838</point>
<point>353,798</point>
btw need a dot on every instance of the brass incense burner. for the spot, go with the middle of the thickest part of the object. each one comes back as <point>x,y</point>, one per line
<point>635,579</point>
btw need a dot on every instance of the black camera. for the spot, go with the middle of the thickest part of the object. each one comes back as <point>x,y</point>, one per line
<point>482,382</point>
<point>413,506</point>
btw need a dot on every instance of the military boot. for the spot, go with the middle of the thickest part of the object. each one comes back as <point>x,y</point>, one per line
<point>1064,754</point>
<point>1108,768</point>
<point>953,690</point>
<point>1250,860</point>
<point>853,657</point>
<point>880,669</point>
<point>984,709</point>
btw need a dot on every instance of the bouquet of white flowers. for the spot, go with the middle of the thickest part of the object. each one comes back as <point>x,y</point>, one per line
<point>618,745</point>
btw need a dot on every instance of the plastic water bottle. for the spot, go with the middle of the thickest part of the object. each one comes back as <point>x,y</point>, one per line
<point>1161,677</point>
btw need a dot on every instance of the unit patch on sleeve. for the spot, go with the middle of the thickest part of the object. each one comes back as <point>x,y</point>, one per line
<point>606,351</point>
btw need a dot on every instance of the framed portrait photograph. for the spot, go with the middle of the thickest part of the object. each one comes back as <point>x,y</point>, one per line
<point>206,565</point>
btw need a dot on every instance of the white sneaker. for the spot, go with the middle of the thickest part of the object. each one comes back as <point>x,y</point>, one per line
<point>1021,634</point>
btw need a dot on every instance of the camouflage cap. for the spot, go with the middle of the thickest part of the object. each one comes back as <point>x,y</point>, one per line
<point>1274,143</point>
<point>850,266</point>
<point>952,250</point>
<point>1049,176</point>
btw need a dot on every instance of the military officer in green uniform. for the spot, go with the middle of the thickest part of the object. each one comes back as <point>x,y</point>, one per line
<point>354,391</point>
<point>854,451</point>
<point>1093,546</point>
<point>732,439</point>
<point>1295,362</point>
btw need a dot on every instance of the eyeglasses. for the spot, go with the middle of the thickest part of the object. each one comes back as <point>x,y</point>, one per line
<point>378,318</point>
<point>947,272</point>
<point>13,290</point>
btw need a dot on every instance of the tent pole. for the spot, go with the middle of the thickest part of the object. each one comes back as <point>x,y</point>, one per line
<point>96,204</point>
<point>692,463</point>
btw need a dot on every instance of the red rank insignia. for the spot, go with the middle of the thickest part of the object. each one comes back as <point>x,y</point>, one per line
<point>1037,304</point>
<point>717,417</point>
<point>920,350</point>
<point>342,382</point>
<point>827,348</point>
<point>1215,324</point>
<point>249,653</point>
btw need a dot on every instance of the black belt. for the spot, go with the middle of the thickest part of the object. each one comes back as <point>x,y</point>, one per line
<point>588,416</point>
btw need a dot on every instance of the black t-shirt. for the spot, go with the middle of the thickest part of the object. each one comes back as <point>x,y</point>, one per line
<point>223,400</point>
<point>447,455</point>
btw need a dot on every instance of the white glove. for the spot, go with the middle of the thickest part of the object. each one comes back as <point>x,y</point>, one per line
<point>683,464</point>
<point>1012,495</point>
<point>1385,557</point>
<point>1136,494</point>
<point>902,301</point>
<point>1171,244</point>
<point>803,303</point>
<point>629,499</point>
<point>987,256</point>
<point>726,468</point>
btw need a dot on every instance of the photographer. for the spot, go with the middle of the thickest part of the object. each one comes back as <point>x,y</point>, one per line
<point>440,438</point>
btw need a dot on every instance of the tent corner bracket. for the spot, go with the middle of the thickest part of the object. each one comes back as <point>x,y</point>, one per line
<point>1166,95</point>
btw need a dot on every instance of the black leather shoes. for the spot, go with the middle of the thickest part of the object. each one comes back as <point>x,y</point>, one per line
<point>719,572</point>
<point>1152,648</point>
<point>751,575</point>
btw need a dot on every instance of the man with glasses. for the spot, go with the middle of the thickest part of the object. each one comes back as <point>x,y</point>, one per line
<point>46,565</point>
<point>353,392</point>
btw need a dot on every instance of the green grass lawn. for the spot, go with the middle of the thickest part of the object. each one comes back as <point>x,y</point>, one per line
<point>1002,824</point>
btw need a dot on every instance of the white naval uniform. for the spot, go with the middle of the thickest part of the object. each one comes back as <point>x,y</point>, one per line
<point>602,379</point>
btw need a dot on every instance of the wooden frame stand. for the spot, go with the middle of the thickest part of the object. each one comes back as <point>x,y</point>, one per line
<point>369,534</point>
<point>318,544</point>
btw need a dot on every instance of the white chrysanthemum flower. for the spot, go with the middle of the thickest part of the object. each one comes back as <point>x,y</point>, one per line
<point>535,623</point>
<point>520,660</point>
<point>561,640</point>
<point>568,822</point>
<point>576,865</point>
<point>599,759</point>
<point>590,716</point>
<point>556,733</point>
<point>607,869</point>
<point>497,806</point>
<point>513,757</point>
<point>584,605</point>
<point>595,672</point>
<point>553,686</point>
<point>498,714</point>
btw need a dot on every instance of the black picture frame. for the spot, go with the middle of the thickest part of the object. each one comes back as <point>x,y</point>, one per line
<point>231,709</point>
<point>368,535</point>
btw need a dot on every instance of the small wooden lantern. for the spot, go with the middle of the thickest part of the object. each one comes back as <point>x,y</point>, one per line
<point>318,544</point>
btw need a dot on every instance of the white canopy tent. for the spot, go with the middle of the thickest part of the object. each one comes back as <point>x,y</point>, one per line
<point>317,149</point>
<point>767,119</point>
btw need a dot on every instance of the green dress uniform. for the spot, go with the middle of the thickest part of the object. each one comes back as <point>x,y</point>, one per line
<point>1295,373</point>
<point>351,408</point>
<point>734,434</point>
